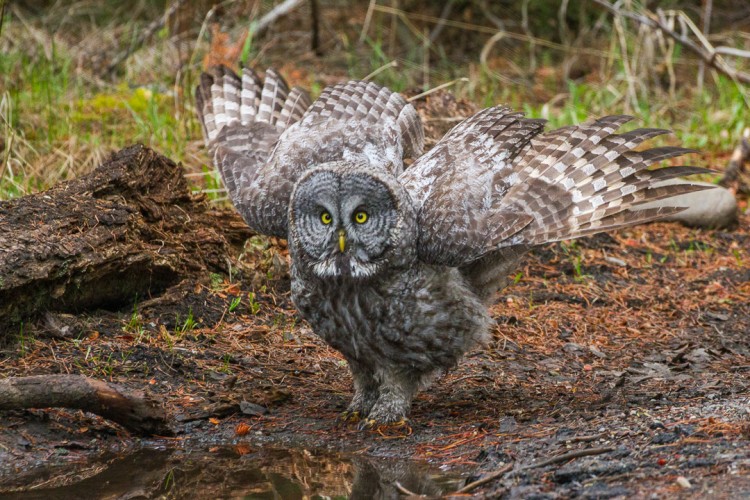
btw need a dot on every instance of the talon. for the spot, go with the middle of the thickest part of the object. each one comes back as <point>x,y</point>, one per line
<point>350,416</point>
<point>400,428</point>
<point>367,424</point>
<point>404,422</point>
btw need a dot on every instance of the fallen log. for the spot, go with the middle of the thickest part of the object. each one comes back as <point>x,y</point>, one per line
<point>127,231</point>
<point>133,410</point>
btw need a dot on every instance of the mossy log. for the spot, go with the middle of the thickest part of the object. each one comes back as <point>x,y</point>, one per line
<point>128,230</point>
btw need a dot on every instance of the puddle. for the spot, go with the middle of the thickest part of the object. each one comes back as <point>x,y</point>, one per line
<point>241,471</point>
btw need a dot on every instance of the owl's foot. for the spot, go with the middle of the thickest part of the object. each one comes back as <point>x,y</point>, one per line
<point>385,415</point>
<point>400,426</point>
<point>350,416</point>
<point>360,406</point>
<point>367,424</point>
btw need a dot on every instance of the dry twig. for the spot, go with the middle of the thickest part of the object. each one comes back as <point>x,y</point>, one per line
<point>486,479</point>
<point>435,89</point>
<point>405,491</point>
<point>280,10</point>
<point>586,439</point>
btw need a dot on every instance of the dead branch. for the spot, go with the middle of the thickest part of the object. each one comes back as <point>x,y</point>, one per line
<point>133,410</point>
<point>709,54</point>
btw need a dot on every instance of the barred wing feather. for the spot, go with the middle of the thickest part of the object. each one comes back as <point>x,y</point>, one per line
<point>496,181</point>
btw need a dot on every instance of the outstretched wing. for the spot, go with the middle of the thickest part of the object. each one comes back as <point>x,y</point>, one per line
<point>495,181</point>
<point>242,119</point>
<point>357,122</point>
<point>458,183</point>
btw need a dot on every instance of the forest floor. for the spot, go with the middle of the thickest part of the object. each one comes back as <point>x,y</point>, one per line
<point>631,347</point>
<point>636,342</point>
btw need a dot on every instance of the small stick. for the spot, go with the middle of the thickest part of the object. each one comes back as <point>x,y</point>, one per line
<point>570,456</point>
<point>392,64</point>
<point>366,24</point>
<point>439,87</point>
<point>277,12</point>
<point>405,491</point>
<point>586,439</point>
<point>486,479</point>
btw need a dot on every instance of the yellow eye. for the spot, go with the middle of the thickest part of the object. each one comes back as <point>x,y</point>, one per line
<point>360,217</point>
<point>326,218</point>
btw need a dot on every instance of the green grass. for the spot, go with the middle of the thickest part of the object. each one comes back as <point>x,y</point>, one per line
<point>58,121</point>
<point>182,327</point>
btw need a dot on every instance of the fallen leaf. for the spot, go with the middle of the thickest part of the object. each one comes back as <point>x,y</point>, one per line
<point>242,449</point>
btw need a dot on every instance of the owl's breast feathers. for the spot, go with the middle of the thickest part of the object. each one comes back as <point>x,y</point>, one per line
<point>424,318</point>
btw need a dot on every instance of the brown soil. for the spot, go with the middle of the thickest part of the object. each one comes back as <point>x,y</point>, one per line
<point>635,341</point>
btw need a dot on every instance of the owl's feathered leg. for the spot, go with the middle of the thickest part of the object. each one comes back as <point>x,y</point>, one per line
<point>396,392</point>
<point>365,392</point>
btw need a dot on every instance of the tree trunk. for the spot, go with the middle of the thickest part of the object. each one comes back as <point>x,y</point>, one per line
<point>128,230</point>
<point>132,410</point>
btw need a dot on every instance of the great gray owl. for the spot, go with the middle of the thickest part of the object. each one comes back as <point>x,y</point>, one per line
<point>394,266</point>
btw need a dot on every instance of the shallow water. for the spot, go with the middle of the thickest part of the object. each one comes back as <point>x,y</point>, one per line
<point>244,472</point>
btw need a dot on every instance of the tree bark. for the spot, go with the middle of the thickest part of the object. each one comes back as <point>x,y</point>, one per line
<point>127,231</point>
<point>133,410</point>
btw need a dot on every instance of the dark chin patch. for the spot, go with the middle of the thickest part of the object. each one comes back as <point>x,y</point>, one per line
<point>344,265</point>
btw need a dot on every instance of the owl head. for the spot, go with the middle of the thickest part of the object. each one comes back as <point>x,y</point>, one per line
<point>347,221</point>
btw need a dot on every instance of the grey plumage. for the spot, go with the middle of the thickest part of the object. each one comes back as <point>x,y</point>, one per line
<point>395,267</point>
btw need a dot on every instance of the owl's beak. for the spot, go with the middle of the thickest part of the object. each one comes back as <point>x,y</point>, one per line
<point>342,240</point>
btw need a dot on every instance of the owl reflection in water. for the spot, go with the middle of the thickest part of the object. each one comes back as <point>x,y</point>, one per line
<point>395,266</point>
